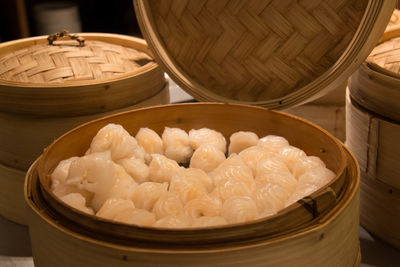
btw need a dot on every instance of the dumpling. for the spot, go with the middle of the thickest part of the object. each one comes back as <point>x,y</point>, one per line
<point>271,164</point>
<point>187,187</point>
<point>302,190</point>
<point>273,143</point>
<point>161,168</point>
<point>180,221</point>
<point>305,163</point>
<point>168,204</point>
<point>198,174</point>
<point>232,187</point>
<point>239,209</point>
<point>115,138</point>
<point>114,206</point>
<point>136,216</point>
<point>203,206</point>
<point>136,168</point>
<point>270,198</point>
<point>150,141</point>
<point>205,221</point>
<point>284,179</point>
<point>290,155</point>
<point>77,201</point>
<point>123,187</point>
<point>252,155</point>
<point>233,168</point>
<point>205,136</point>
<point>318,176</point>
<point>242,140</point>
<point>207,158</point>
<point>60,173</point>
<point>176,144</point>
<point>147,194</point>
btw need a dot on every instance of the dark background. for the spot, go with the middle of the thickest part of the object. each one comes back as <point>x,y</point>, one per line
<point>111,16</point>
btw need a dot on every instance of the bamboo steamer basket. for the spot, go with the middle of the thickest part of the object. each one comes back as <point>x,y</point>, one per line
<point>236,52</point>
<point>40,101</point>
<point>373,111</point>
<point>295,236</point>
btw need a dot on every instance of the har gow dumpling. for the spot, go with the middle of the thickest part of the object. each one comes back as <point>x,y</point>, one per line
<point>319,176</point>
<point>242,140</point>
<point>270,198</point>
<point>203,206</point>
<point>115,138</point>
<point>290,155</point>
<point>207,158</point>
<point>273,143</point>
<point>146,194</point>
<point>180,221</point>
<point>150,141</point>
<point>136,168</point>
<point>186,186</point>
<point>136,216</point>
<point>205,136</point>
<point>253,155</point>
<point>77,201</point>
<point>239,209</point>
<point>176,144</point>
<point>167,204</point>
<point>303,164</point>
<point>114,206</point>
<point>162,169</point>
<point>284,179</point>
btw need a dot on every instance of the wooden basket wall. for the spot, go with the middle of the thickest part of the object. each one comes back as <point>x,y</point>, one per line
<point>373,134</point>
<point>295,228</point>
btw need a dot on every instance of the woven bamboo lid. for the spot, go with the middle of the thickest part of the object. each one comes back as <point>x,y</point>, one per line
<point>270,53</point>
<point>69,61</point>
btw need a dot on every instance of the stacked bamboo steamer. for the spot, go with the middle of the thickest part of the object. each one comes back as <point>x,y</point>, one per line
<point>373,114</point>
<point>47,90</point>
<point>273,54</point>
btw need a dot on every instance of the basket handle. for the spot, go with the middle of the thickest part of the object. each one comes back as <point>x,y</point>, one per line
<point>53,37</point>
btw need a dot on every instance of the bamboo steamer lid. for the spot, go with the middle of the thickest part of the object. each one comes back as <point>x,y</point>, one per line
<point>376,85</point>
<point>275,54</point>
<point>91,73</point>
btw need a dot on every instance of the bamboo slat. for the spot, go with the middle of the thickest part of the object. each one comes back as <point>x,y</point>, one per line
<point>39,79</point>
<point>374,142</point>
<point>271,53</point>
<point>321,242</point>
<point>19,148</point>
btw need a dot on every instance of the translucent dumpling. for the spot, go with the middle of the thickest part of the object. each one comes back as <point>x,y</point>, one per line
<point>270,198</point>
<point>114,206</point>
<point>273,143</point>
<point>161,168</point>
<point>180,221</point>
<point>168,204</point>
<point>252,155</point>
<point>147,194</point>
<point>233,168</point>
<point>150,141</point>
<point>318,176</point>
<point>123,187</point>
<point>203,206</point>
<point>239,209</point>
<point>207,136</point>
<point>232,187</point>
<point>60,173</point>
<point>271,164</point>
<point>284,179</point>
<point>207,158</point>
<point>187,187</point>
<point>136,168</point>
<point>176,144</point>
<point>303,164</point>
<point>198,174</point>
<point>115,138</point>
<point>241,140</point>
<point>136,216</point>
<point>77,201</point>
<point>290,155</point>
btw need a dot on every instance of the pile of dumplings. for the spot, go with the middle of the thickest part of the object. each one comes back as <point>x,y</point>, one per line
<point>142,180</point>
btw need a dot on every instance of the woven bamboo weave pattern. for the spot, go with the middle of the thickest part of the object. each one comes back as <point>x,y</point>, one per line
<point>67,63</point>
<point>252,50</point>
<point>387,56</point>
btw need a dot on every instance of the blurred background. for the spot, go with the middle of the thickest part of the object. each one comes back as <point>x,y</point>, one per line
<point>25,18</point>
